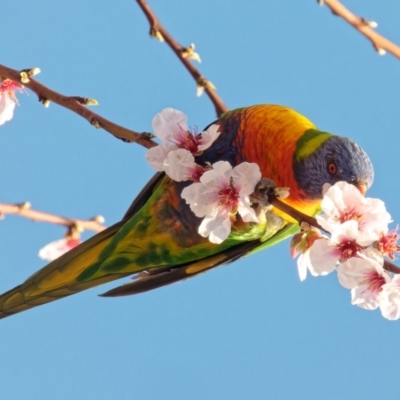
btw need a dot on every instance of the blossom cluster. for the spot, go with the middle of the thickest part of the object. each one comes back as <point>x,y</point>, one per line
<point>359,240</point>
<point>218,192</point>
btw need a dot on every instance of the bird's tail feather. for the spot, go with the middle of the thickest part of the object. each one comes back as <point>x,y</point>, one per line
<point>58,279</point>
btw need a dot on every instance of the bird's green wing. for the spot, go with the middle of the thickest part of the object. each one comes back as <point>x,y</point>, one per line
<point>158,277</point>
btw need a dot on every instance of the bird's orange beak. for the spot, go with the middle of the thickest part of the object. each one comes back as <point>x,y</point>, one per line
<point>362,187</point>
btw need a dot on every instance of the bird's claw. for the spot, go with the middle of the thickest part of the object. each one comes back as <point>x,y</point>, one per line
<point>263,189</point>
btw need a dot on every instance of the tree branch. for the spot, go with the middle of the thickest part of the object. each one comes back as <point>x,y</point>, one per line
<point>23,210</point>
<point>379,42</point>
<point>77,105</point>
<point>158,31</point>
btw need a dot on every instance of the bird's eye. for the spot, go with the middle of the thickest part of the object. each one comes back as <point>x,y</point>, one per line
<point>332,168</point>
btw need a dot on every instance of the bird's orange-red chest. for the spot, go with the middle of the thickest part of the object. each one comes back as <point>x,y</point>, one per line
<point>268,136</point>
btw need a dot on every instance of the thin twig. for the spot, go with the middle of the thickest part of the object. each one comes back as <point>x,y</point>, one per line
<point>23,210</point>
<point>156,29</point>
<point>391,267</point>
<point>379,42</point>
<point>295,214</point>
<point>76,104</point>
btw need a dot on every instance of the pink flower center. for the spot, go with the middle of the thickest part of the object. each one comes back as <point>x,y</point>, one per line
<point>196,172</point>
<point>387,244</point>
<point>348,249</point>
<point>8,86</point>
<point>349,215</point>
<point>186,140</point>
<point>71,243</point>
<point>228,198</point>
<point>373,282</point>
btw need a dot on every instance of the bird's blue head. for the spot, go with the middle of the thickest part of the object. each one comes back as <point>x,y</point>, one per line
<point>324,158</point>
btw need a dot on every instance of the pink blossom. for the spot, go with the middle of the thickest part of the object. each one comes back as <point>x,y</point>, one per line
<point>390,299</point>
<point>301,244</point>
<point>57,248</point>
<point>304,265</point>
<point>179,165</point>
<point>387,244</point>
<point>8,99</point>
<point>171,127</point>
<point>365,277</point>
<point>168,123</point>
<point>222,193</point>
<point>343,202</point>
<point>158,154</point>
<point>326,253</point>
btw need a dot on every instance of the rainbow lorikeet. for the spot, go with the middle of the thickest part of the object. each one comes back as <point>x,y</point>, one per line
<point>158,237</point>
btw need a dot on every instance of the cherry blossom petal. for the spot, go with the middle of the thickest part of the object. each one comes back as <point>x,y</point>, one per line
<point>167,122</point>
<point>246,212</point>
<point>7,106</point>
<point>201,198</point>
<point>365,269</point>
<point>390,299</point>
<point>323,257</point>
<point>179,165</point>
<point>217,228</point>
<point>218,175</point>
<point>352,272</point>
<point>367,278</point>
<point>303,264</point>
<point>326,253</point>
<point>364,298</point>
<point>158,154</point>
<point>246,176</point>
<point>346,231</point>
<point>57,248</point>
<point>206,138</point>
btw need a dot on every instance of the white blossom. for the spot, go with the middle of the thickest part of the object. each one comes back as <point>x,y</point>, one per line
<point>206,138</point>
<point>343,202</point>
<point>390,299</point>
<point>170,126</point>
<point>7,106</point>
<point>57,248</point>
<point>221,193</point>
<point>179,165</point>
<point>326,253</point>
<point>168,123</point>
<point>365,276</point>
<point>158,154</point>
<point>304,265</point>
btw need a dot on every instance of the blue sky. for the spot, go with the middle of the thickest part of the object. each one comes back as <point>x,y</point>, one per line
<point>250,330</point>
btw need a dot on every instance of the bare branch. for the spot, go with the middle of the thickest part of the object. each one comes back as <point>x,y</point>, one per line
<point>23,210</point>
<point>77,105</point>
<point>380,43</point>
<point>158,31</point>
<point>295,214</point>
